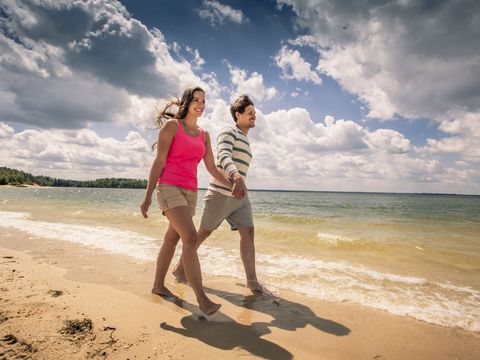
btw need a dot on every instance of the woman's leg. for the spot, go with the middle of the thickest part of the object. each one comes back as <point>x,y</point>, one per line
<point>179,271</point>
<point>181,220</point>
<point>164,259</point>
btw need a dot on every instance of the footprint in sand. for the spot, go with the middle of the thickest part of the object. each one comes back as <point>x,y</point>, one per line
<point>55,293</point>
<point>3,317</point>
<point>12,348</point>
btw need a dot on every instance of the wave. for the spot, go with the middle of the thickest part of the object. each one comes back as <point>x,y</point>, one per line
<point>290,219</point>
<point>443,303</point>
<point>438,303</point>
<point>106,238</point>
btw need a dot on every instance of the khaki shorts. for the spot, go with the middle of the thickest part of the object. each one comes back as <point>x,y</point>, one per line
<point>170,196</point>
<point>218,207</point>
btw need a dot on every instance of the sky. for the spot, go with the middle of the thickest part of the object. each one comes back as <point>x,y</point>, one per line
<point>350,95</point>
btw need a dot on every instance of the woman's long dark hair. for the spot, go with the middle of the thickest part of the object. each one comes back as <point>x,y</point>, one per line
<point>182,105</point>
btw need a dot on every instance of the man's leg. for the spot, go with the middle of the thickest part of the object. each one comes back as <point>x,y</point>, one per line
<point>247,252</point>
<point>179,271</point>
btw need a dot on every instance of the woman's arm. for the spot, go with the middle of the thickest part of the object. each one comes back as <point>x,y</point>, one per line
<point>165,138</point>
<point>209,162</point>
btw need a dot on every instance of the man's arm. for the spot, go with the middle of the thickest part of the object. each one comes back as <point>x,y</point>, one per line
<point>225,142</point>
<point>210,163</point>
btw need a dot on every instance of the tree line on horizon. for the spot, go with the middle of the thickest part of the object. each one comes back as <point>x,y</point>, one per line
<point>10,176</point>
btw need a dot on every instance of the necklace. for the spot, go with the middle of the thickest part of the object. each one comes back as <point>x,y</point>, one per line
<point>190,131</point>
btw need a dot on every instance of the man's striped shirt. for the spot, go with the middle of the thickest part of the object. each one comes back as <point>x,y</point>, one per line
<point>233,156</point>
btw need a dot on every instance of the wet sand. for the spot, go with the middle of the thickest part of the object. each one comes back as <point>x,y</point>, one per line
<point>61,300</point>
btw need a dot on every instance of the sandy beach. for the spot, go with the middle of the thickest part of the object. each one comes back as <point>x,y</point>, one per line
<point>60,300</point>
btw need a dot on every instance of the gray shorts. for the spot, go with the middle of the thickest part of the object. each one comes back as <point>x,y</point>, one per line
<point>218,207</point>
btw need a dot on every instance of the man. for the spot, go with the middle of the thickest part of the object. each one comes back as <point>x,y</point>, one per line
<point>220,203</point>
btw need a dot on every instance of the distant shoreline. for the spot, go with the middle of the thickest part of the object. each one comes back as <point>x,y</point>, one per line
<point>362,192</point>
<point>24,186</point>
<point>260,190</point>
<point>18,178</point>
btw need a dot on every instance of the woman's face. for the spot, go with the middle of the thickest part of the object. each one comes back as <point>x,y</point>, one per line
<point>197,105</point>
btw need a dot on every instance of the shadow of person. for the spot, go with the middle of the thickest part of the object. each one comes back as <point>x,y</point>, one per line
<point>183,304</point>
<point>286,314</point>
<point>228,335</point>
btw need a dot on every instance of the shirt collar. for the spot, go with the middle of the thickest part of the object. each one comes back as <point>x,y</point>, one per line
<point>238,129</point>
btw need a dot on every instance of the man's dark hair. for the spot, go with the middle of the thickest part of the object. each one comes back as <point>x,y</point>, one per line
<point>239,104</point>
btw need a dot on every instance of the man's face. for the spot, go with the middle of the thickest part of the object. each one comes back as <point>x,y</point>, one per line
<point>247,119</point>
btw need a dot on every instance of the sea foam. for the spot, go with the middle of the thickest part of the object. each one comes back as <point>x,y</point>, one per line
<point>101,237</point>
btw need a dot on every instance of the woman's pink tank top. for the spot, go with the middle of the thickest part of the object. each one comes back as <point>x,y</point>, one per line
<point>182,160</point>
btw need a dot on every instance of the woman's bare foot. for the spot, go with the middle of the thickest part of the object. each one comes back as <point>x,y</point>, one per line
<point>209,307</point>
<point>163,291</point>
<point>255,286</point>
<point>179,275</point>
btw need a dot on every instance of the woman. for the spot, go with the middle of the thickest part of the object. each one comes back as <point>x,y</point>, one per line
<point>180,147</point>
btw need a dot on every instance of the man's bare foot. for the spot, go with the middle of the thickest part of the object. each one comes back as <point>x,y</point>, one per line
<point>163,291</point>
<point>256,287</point>
<point>209,307</point>
<point>179,275</point>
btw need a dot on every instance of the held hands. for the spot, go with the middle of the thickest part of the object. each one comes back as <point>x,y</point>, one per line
<point>239,190</point>
<point>144,206</point>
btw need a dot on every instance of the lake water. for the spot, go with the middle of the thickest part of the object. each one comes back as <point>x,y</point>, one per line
<point>408,254</point>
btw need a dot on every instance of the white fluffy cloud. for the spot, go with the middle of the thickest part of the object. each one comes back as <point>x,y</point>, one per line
<point>295,67</point>
<point>251,85</point>
<point>217,13</point>
<point>5,130</point>
<point>293,151</point>
<point>463,138</point>
<point>390,141</point>
<point>75,154</point>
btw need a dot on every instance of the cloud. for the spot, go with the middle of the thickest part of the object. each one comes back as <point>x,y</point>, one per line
<point>79,154</point>
<point>251,85</point>
<point>59,102</point>
<point>291,150</point>
<point>67,64</point>
<point>298,132</point>
<point>462,138</point>
<point>5,130</point>
<point>188,55</point>
<point>217,13</point>
<point>69,67</point>
<point>295,67</point>
<point>414,58</point>
<point>197,61</point>
<point>389,141</point>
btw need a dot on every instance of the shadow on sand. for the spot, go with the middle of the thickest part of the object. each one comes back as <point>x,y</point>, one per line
<point>228,336</point>
<point>225,334</point>
<point>286,314</point>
